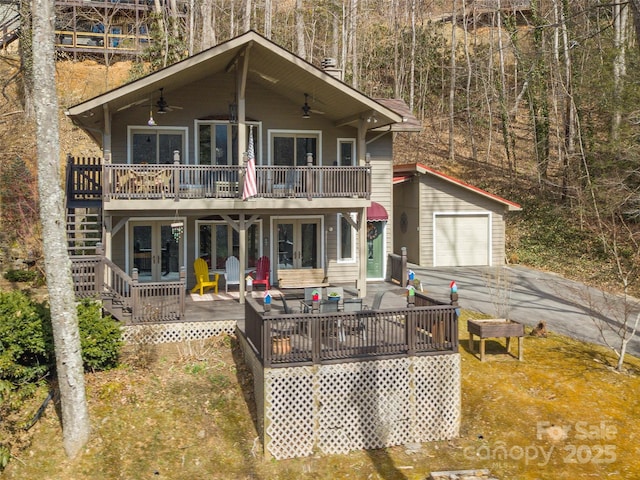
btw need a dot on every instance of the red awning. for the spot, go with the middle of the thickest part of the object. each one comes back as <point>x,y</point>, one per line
<point>376,212</point>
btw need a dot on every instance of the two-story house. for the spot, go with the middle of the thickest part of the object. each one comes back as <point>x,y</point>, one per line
<point>246,150</point>
<point>175,146</point>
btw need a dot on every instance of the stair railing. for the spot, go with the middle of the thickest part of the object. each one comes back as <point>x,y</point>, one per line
<point>96,276</point>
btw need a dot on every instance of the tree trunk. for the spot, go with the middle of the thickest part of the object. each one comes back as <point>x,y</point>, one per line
<point>620,17</point>
<point>569,118</point>
<point>412,68</point>
<point>467,56</point>
<point>267,18</point>
<point>354,43</point>
<point>26,59</point>
<point>66,335</point>
<point>452,84</point>
<point>247,16</point>
<point>207,38</point>
<point>300,30</point>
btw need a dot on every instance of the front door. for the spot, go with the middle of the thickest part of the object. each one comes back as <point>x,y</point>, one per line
<point>375,253</point>
<point>155,252</point>
<point>299,243</point>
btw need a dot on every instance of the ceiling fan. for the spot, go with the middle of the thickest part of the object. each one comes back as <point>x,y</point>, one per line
<point>163,106</point>
<point>306,108</point>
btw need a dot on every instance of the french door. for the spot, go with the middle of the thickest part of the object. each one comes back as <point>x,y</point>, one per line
<point>155,252</point>
<point>299,243</point>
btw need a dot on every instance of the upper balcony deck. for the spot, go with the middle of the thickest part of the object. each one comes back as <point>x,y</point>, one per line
<point>119,186</point>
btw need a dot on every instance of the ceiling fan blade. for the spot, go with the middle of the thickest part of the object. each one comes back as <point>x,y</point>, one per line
<point>133,104</point>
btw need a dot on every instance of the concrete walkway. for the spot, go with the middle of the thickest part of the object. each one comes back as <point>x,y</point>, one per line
<point>529,296</point>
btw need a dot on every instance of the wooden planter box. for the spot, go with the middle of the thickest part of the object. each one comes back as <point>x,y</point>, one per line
<point>493,328</point>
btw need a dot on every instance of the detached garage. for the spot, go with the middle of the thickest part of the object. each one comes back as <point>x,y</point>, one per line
<point>445,222</point>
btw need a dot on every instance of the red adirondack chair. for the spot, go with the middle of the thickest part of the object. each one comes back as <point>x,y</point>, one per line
<point>262,273</point>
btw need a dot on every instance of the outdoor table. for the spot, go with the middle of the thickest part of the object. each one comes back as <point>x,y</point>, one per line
<point>495,327</point>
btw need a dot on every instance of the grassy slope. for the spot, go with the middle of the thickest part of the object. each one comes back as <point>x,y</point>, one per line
<point>186,413</point>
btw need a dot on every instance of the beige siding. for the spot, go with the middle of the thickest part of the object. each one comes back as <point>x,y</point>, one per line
<point>381,152</point>
<point>273,111</point>
<point>444,197</point>
<point>405,205</point>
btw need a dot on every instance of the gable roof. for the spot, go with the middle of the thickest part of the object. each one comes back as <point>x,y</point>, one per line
<point>402,173</point>
<point>410,122</point>
<point>271,66</point>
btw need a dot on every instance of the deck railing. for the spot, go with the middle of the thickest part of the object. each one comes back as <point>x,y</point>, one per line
<point>398,267</point>
<point>315,338</point>
<point>98,42</point>
<point>144,302</point>
<point>204,181</point>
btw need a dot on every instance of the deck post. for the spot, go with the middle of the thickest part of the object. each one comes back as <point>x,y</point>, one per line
<point>403,264</point>
<point>99,286</point>
<point>309,175</point>
<point>183,280</point>
<point>176,176</point>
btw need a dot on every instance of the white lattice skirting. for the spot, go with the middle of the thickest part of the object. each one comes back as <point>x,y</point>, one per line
<point>176,332</point>
<point>339,408</point>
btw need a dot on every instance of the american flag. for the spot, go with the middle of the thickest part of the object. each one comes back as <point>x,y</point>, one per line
<point>250,189</point>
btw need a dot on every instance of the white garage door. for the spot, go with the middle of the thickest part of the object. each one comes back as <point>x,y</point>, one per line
<point>461,240</point>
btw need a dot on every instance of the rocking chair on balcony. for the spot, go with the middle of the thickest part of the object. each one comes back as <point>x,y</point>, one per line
<point>203,282</point>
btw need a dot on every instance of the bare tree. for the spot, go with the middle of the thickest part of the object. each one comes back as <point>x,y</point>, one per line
<point>412,68</point>
<point>267,18</point>
<point>452,83</point>
<point>66,335</point>
<point>247,16</point>
<point>353,41</point>
<point>208,24</point>
<point>301,48</point>
<point>620,20</point>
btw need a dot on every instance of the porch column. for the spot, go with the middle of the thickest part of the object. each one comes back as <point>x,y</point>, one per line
<point>106,134</point>
<point>242,252</point>
<point>362,247</point>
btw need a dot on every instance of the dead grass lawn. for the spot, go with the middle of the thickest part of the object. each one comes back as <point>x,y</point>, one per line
<point>185,412</point>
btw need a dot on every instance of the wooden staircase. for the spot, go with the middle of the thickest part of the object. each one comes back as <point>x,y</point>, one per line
<point>84,230</point>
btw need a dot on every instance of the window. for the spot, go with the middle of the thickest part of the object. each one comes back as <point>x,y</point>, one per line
<point>291,148</point>
<point>346,241</point>
<point>217,142</point>
<point>156,145</point>
<point>217,241</point>
<point>346,152</point>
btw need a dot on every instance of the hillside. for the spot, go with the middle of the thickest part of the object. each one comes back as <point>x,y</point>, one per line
<point>540,235</point>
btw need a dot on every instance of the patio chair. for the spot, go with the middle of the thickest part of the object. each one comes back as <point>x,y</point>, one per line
<point>262,273</point>
<point>328,306</point>
<point>377,300</point>
<point>305,305</point>
<point>352,304</point>
<point>285,305</point>
<point>231,273</point>
<point>203,281</point>
<point>163,181</point>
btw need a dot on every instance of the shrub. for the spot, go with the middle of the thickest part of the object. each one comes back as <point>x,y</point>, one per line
<point>26,342</point>
<point>100,337</point>
<point>20,275</point>
<point>26,339</point>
